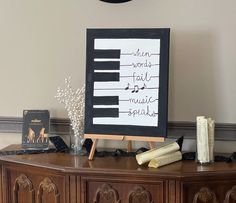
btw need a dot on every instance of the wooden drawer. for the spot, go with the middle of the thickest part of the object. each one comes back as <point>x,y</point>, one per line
<point>109,190</point>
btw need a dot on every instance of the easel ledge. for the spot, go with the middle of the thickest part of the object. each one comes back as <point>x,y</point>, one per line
<point>129,138</point>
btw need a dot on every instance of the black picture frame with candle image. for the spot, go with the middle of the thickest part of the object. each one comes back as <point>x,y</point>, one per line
<point>35,129</point>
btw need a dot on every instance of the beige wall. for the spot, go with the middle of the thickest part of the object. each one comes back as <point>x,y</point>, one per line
<point>42,42</point>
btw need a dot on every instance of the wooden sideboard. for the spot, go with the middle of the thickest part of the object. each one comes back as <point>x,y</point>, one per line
<point>64,178</point>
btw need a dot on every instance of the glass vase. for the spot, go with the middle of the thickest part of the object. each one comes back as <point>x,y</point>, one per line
<point>76,144</point>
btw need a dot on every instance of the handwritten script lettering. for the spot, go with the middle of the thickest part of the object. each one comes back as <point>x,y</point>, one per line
<point>146,100</point>
<point>142,112</point>
<point>146,64</point>
<point>141,53</point>
<point>141,77</point>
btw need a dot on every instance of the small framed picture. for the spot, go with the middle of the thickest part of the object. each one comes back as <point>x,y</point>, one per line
<point>35,129</point>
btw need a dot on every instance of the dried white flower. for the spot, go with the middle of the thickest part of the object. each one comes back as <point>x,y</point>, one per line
<point>74,104</point>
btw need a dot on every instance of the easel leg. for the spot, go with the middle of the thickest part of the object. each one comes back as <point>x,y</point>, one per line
<point>129,146</point>
<point>93,148</point>
<point>152,145</point>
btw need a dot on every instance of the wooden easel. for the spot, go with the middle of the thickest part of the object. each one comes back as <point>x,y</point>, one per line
<point>96,137</point>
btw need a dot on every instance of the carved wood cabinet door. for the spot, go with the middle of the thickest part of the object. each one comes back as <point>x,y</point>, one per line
<point>32,187</point>
<point>121,191</point>
<point>107,194</point>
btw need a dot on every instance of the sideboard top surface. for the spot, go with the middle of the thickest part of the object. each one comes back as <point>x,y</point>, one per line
<point>65,162</point>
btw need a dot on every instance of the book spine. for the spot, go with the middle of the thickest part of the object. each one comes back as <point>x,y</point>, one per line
<point>211,137</point>
<point>165,159</point>
<point>202,140</point>
<point>150,154</point>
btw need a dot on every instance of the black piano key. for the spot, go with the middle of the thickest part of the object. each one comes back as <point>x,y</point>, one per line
<point>106,100</point>
<point>106,77</point>
<point>106,65</point>
<point>105,112</point>
<point>109,53</point>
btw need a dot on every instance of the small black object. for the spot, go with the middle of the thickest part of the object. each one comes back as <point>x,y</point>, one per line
<point>141,150</point>
<point>120,153</point>
<point>27,151</point>
<point>88,143</point>
<point>180,142</point>
<point>189,156</point>
<point>232,157</point>
<point>115,1</point>
<point>220,158</point>
<point>59,144</point>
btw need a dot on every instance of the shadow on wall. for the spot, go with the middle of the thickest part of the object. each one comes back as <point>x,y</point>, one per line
<point>193,76</point>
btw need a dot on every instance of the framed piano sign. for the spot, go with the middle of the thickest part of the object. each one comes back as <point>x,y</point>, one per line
<point>127,82</point>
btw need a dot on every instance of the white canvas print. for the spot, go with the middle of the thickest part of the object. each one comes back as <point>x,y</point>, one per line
<point>138,84</point>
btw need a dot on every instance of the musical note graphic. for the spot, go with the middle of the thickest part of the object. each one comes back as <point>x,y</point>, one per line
<point>127,86</point>
<point>135,89</point>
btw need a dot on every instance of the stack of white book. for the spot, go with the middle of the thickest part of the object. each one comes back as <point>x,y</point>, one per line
<point>160,156</point>
<point>205,139</point>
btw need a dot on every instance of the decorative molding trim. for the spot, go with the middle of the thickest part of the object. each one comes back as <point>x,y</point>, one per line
<point>231,194</point>
<point>223,131</point>
<point>141,194</point>
<point>205,195</point>
<point>61,126</point>
<point>47,186</point>
<point>22,181</point>
<point>107,193</point>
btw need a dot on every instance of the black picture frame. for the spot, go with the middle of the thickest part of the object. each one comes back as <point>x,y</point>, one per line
<point>163,34</point>
<point>35,129</point>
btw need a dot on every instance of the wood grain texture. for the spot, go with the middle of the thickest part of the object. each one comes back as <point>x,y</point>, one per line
<point>64,178</point>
